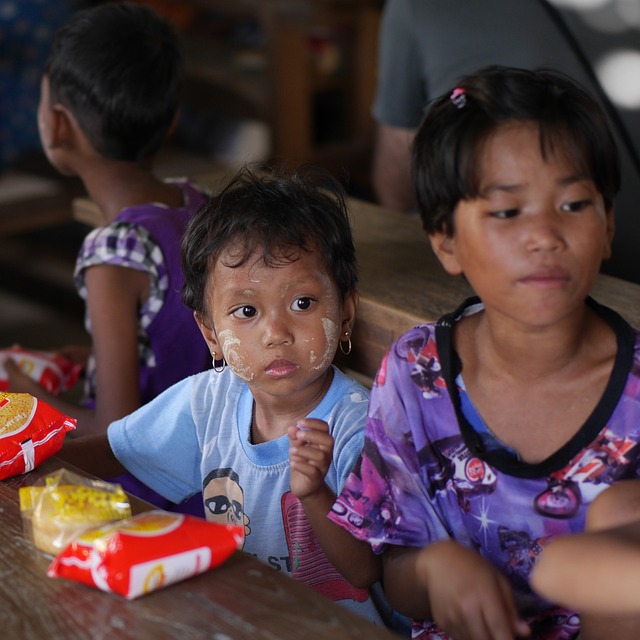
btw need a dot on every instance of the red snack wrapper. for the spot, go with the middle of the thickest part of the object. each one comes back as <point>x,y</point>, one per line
<point>51,371</point>
<point>30,432</point>
<point>147,552</point>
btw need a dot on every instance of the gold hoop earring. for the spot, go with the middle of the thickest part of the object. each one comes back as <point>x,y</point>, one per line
<point>346,350</point>
<point>217,367</point>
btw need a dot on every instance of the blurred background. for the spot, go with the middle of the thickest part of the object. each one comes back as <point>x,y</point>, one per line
<point>289,81</point>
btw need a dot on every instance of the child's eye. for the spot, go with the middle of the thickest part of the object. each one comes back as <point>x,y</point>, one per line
<point>244,312</point>
<point>504,214</point>
<point>302,304</point>
<point>575,206</point>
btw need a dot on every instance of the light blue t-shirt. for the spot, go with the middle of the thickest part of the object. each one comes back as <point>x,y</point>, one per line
<point>196,436</point>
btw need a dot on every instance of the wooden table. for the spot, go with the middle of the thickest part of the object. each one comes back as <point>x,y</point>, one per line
<point>241,599</point>
<point>33,197</point>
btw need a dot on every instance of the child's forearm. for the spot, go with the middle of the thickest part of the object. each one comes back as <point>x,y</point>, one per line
<point>353,558</point>
<point>403,584</point>
<point>595,572</point>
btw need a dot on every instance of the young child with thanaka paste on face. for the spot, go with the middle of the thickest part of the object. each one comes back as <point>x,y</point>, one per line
<point>491,431</point>
<point>270,434</point>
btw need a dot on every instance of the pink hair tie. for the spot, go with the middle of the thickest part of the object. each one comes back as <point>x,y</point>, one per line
<point>458,97</point>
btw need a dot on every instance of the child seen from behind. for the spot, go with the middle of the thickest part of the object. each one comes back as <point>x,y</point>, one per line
<point>109,99</point>
<point>484,428</point>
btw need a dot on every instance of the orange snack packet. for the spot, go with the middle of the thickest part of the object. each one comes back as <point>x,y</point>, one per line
<point>51,371</point>
<point>147,552</point>
<point>30,432</point>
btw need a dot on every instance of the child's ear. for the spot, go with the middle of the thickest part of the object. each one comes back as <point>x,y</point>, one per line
<point>60,132</point>
<point>349,308</point>
<point>208,334</point>
<point>444,246</point>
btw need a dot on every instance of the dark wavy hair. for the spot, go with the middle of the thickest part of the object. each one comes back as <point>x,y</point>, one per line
<point>118,68</point>
<point>446,148</point>
<point>278,213</point>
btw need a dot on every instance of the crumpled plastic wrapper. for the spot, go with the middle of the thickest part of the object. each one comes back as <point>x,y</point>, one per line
<point>52,371</point>
<point>63,505</point>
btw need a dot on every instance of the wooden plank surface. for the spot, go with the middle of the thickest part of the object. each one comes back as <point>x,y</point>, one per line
<point>241,599</point>
<point>29,201</point>
<point>34,214</point>
<point>401,281</point>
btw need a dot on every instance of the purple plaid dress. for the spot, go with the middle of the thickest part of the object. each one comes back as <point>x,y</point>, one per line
<point>170,346</point>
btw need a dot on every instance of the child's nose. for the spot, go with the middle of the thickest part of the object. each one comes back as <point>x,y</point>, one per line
<point>277,331</point>
<point>545,232</point>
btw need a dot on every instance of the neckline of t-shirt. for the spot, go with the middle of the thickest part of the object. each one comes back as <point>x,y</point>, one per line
<point>503,460</point>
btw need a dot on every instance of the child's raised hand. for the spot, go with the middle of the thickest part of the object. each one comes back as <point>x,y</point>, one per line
<point>310,454</point>
<point>470,599</point>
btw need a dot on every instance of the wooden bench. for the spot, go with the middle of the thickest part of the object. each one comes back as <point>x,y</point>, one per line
<point>30,203</point>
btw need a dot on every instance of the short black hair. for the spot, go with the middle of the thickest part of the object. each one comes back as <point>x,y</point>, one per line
<point>279,213</point>
<point>446,147</point>
<point>118,68</point>
<point>226,472</point>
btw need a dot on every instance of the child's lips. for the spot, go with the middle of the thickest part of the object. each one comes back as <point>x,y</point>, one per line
<point>280,368</point>
<point>546,278</point>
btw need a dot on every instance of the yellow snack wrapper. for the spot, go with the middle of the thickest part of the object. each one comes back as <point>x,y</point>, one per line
<point>63,505</point>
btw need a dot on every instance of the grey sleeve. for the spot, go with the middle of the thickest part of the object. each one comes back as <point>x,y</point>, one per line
<point>400,95</point>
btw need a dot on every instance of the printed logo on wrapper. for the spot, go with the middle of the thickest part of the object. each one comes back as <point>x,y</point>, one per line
<point>16,412</point>
<point>30,432</point>
<point>152,523</point>
<point>153,575</point>
<point>146,577</point>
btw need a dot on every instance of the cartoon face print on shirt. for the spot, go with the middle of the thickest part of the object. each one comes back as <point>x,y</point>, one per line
<point>224,499</point>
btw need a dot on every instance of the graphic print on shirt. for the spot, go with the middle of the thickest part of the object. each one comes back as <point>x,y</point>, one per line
<point>370,468</point>
<point>597,466</point>
<point>224,499</point>
<point>309,565</point>
<point>423,355</point>
<point>522,550</point>
<point>451,464</point>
